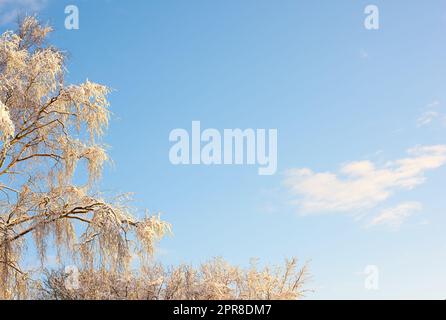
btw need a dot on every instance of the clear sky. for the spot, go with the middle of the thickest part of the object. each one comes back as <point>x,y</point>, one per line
<point>360,114</point>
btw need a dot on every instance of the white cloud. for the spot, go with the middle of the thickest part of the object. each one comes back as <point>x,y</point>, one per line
<point>11,9</point>
<point>433,104</point>
<point>427,117</point>
<point>394,217</point>
<point>431,114</point>
<point>362,185</point>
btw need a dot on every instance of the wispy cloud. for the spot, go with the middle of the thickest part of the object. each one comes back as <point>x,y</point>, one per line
<point>430,114</point>
<point>427,117</point>
<point>11,9</point>
<point>394,217</point>
<point>362,185</point>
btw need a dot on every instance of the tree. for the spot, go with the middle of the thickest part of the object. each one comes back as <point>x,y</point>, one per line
<point>214,280</point>
<point>47,129</point>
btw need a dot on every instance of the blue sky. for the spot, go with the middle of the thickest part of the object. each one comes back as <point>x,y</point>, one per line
<point>360,114</point>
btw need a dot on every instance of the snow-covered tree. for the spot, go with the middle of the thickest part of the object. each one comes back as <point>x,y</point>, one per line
<point>47,128</point>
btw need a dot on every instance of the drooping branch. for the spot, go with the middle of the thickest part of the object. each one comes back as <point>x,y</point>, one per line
<point>46,129</point>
